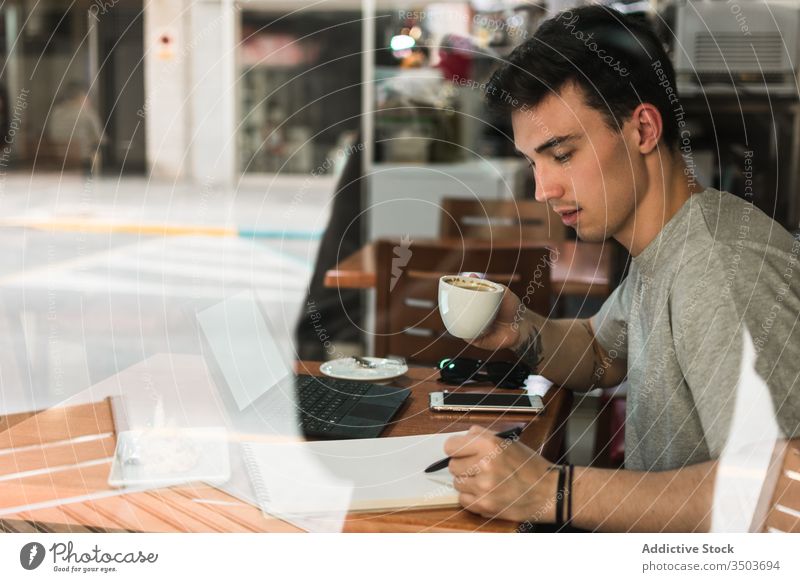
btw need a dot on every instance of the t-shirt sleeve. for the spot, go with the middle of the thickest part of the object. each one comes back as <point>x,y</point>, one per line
<point>708,347</point>
<point>610,324</point>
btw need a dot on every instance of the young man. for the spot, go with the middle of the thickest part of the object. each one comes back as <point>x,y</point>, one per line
<point>594,109</point>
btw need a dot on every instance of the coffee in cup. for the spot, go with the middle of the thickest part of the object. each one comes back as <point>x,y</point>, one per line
<point>468,305</point>
<point>476,285</point>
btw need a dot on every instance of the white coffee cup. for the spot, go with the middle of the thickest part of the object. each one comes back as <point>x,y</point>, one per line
<point>468,305</point>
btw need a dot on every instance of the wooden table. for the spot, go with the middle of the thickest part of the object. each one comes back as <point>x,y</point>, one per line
<point>579,268</point>
<point>80,440</point>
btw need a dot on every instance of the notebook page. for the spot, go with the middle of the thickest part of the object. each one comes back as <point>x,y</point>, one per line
<point>370,474</point>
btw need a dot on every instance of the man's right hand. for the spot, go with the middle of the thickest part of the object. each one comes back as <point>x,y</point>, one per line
<point>504,332</point>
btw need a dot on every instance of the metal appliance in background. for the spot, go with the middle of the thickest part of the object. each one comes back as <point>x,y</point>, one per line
<point>747,45</point>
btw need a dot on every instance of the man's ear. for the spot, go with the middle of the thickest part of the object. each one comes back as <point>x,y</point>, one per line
<point>649,125</point>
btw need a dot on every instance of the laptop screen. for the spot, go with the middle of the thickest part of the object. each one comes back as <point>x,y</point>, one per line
<point>244,348</point>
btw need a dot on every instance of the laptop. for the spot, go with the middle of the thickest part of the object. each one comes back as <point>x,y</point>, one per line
<point>262,394</point>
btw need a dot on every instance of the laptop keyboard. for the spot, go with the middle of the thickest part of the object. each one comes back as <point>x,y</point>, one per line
<point>321,401</point>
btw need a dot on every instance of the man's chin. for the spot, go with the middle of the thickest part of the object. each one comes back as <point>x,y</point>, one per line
<point>587,235</point>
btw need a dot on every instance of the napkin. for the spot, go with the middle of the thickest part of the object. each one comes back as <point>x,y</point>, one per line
<point>536,385</point>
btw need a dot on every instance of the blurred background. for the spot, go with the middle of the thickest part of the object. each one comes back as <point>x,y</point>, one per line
<point>157,153</point>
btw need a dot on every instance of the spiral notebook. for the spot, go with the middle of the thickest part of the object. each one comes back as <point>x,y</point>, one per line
<point>323,477</point>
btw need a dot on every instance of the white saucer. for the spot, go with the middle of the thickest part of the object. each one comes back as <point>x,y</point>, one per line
<point>349,369</point>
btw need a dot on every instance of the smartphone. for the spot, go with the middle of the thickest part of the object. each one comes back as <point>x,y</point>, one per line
<point>483,402</point>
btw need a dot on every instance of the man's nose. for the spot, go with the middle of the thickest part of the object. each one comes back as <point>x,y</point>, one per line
<point>546,187</point>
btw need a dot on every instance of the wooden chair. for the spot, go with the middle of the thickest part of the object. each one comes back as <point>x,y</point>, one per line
<point>783,514</point>
<point>500,220</point>
<point>408,323</point>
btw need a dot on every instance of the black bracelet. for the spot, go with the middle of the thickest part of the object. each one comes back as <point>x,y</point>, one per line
<point>569,494</point>
<point>560,497</point>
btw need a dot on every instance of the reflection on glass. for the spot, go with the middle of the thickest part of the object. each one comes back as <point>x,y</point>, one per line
<point>299,86</point>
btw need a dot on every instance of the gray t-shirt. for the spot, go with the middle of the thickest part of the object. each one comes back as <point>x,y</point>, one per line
<point>720,265</point>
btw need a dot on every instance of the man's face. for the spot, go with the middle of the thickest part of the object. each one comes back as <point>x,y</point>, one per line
<point>584,170</point>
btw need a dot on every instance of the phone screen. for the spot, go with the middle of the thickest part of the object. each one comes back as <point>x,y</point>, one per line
<point>462,399</point>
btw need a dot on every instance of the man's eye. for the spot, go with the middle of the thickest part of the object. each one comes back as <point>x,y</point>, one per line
<point>561,158</point>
